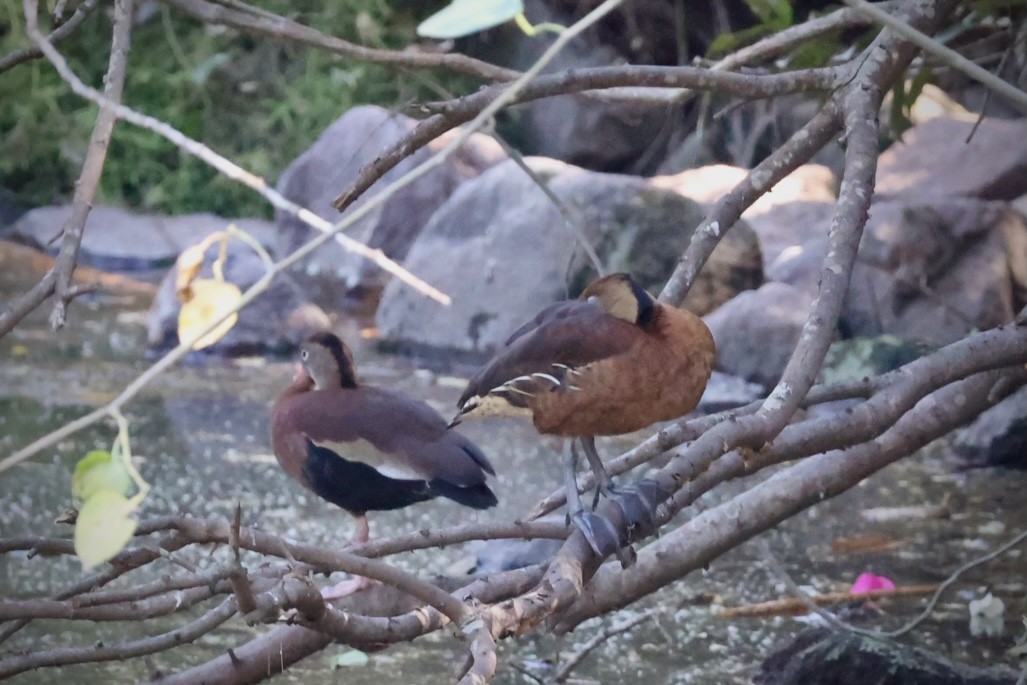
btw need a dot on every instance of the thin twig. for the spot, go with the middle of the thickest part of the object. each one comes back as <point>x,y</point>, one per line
<point>1002,549</point>
<point>943,53</point>
<point>60,33</point>
<point>63,656</point>
<point>262,22</point>
<point>57,280</point>
<point>564,672</point>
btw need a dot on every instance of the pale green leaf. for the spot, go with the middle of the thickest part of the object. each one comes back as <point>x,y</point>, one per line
<point>98,471</point>
<point>203,70</point>
<point>351,659</point>
<point>464,17</point>
<point>105,525</point>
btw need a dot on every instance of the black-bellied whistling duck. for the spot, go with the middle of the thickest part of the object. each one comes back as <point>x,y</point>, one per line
<point>368,449</point>
<point>613,361</point>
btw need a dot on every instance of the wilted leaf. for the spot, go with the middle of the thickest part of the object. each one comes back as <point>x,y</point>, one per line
<point>187,266</point>
<point>351,659</point>
<point>210,301</point>
<point>98,471</point>
<point>463,17</point>
<point>104,526</point>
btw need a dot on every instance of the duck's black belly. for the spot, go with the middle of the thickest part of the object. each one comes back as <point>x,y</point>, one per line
<point>357,487</point>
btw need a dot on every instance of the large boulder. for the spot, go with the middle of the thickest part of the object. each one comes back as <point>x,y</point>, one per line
<point>998,437</point>
<point>117,239</point>
<point>939,159</point>
<point>325,169</point>
<point>932,272</point>
<point>277,321</point>
<point>503,250</point>
<point>794,212</point>
<point>757,331</point>
<point>594,131</point>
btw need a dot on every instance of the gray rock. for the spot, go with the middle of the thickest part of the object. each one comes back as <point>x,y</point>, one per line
<point>842,657</point>
<point>116,239</point>
<point>998,437</point>
<point>325,170</point>
<point>495,556</point>
<point>933,272</point>
<point>588,131</point>
<point>858,358</point>
<point>275,322</point>
<point>757,331</point>
<point>503,250</point>
<point>793,212</point>
<point>725,391</point>
<point>935,161</point>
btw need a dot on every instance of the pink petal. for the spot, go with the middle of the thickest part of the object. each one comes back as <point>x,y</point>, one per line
<point>868,582</point>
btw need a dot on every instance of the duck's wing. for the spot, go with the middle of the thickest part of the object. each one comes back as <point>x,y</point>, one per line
<point>398,436</point>
<point>546,354</point>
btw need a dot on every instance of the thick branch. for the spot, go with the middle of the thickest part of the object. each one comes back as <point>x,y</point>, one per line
<point>708,535</point>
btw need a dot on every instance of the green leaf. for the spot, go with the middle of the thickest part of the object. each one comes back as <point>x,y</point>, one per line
<point>776,13</point>
<point>463,17</point>
<point>351,659</point>
<point>99,471</point>
<point>105,525</point>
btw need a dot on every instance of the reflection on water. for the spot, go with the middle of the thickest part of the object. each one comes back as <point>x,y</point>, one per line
<point>200,433</point>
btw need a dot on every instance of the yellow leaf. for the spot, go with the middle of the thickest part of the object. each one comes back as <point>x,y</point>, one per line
<point>210,300</point>
<point>105,525</point>
<point>99,471</point>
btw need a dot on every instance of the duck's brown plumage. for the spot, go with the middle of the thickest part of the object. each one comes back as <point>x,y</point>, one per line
<point>365,448</point>
<point>580,370</point>
<point>611,362</point>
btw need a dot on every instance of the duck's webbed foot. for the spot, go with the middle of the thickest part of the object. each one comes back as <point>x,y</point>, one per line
<point>637,502</point>
<point>600,533</point>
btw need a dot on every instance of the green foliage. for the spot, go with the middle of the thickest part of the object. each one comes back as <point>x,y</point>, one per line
<point>105,525</point>
<point>257,101</point>
<point>904,96</point>
<point>771,16</point>
<point>106,517</point>
<point>98,471</point>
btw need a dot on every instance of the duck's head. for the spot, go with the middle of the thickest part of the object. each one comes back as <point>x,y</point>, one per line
<point>620,296</point>
<point>327,361</point>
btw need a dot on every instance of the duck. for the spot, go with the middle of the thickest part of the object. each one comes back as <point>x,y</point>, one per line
<point>613,361</point>
<point>364,448</point>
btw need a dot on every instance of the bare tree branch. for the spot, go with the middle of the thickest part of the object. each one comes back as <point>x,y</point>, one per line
<point>60,33</point>
<point>96,153</point>
<point>946,54</point>
<point>707,535</point>
<point>452,113</point>
<point>262,22</point>
<point>57,280</point>
<point>62,656</point>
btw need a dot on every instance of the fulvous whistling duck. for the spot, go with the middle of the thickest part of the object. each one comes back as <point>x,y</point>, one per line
<point>613,361</point>
<point>368,449</point>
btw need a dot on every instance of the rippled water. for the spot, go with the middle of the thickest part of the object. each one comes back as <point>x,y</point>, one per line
<point>201,436</point>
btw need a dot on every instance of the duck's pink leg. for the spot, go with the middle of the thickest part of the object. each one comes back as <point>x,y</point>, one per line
<point>347,587</point>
